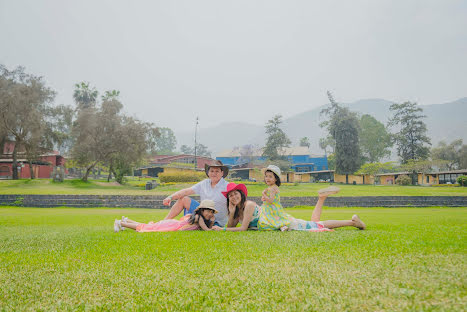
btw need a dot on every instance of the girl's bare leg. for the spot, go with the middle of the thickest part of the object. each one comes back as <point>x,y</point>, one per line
<point>323,194</point>
<point>356,222</point>
<point>129,221</point>
<point>130,225</point>
<point>316,215</point>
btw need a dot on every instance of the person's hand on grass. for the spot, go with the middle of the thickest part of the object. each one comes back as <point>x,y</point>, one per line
<point>217,228</point>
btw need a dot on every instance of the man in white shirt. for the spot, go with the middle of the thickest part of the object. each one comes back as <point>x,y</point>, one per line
<point>211,188</point>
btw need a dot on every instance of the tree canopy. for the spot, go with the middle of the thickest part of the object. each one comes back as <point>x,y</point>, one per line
<point>276,139</point>
<point>411,139</point>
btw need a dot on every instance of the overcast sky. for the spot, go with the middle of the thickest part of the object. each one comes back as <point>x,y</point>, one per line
<point>240,60</point>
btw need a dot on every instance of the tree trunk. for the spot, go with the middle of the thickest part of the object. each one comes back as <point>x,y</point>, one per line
<point>31,171</point>
<point>15,163</point>
<point>346,179</point>
<point>414,178</point>
<point>88,170</point>
<point>110,172</point>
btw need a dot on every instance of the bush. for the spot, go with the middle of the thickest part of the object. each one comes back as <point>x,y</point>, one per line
<point>403,180</point>
<point>462,180</point>
<point>182,177</point>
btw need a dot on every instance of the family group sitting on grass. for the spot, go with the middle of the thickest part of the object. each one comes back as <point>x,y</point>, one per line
<point>224,205</point>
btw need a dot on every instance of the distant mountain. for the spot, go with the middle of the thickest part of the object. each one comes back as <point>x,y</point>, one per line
<point>444,122</point>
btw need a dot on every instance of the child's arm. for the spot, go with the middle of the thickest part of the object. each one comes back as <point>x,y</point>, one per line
<point>272,193</point>
<point>203,225</point>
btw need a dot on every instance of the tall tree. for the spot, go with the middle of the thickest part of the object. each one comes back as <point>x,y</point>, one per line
<point>343,126</point>
<point>452,153</point>
<point>24,102</point>
<point>166,142</point>
<point>375,141</point>
<point>276,140</point>
<point>411,140</point>
<point>305,141</point>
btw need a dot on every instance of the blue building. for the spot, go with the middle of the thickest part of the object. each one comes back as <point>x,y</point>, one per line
<point>299,157</point>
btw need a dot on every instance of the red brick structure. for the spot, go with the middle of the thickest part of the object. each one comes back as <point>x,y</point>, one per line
<point>42,168</point>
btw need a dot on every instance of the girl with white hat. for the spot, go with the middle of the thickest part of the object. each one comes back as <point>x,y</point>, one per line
<point>202,218</point>
<point>273,216</point>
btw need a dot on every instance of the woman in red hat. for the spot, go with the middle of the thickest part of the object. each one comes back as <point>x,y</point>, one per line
<point>239,209</point>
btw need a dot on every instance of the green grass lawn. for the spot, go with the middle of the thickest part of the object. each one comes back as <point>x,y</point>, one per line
<point>409,259</point>
<point>134,187</point>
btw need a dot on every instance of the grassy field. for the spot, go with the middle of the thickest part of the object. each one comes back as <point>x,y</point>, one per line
<point>135,187</point>
<point>409,259</point>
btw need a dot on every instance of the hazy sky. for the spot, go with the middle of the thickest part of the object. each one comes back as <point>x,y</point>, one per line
<point>240,60</point>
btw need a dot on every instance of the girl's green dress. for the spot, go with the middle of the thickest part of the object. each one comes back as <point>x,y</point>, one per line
<point>272,215</point>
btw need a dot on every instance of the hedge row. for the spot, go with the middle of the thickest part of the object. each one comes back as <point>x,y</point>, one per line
<point>182,177</point>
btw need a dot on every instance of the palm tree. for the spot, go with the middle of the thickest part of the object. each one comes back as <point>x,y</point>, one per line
<point>85,96</point>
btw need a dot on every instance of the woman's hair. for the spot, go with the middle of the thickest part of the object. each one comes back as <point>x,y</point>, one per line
<point>198,212</point>
<point>278,180</point>
<point>242,204</point>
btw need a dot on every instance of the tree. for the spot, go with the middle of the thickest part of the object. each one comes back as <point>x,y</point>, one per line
<point>85,96</point>
<point>166,142</point>
<point>276,139</point>
<point>326,142</point>
<point>305,142</point>
<point>201,150</point>
<point>102,134</point>
<point>131,147</point>
<point>24,102</point>
<point>416,166</point>
<point>411,138</point>
<point>185,149</point>
<point>59,121</point>
<point>375,141</point>
<point>332,161</point>
<point>343,127</point>
<point>463,157</point>
<point>247,154</point>
<point>374,168</point>
<point>453,153</point>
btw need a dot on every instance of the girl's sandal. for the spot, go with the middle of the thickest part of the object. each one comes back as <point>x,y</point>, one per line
<point>329,190</point>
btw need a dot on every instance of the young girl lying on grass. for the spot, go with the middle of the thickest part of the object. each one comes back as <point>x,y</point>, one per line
<point>315,225</point>
<point>202,218</point>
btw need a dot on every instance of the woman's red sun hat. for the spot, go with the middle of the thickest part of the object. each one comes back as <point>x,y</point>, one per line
<point>235,187</point>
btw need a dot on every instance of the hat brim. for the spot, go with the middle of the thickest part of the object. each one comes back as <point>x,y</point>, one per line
<point>213,209</point>
<point>269,169</point>
<point>238,187</point>
<point>225,169</point>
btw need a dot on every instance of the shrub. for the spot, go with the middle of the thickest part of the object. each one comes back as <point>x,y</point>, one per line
<point>182,177</point>
<point>462,180</point>
<point>403,180</point>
